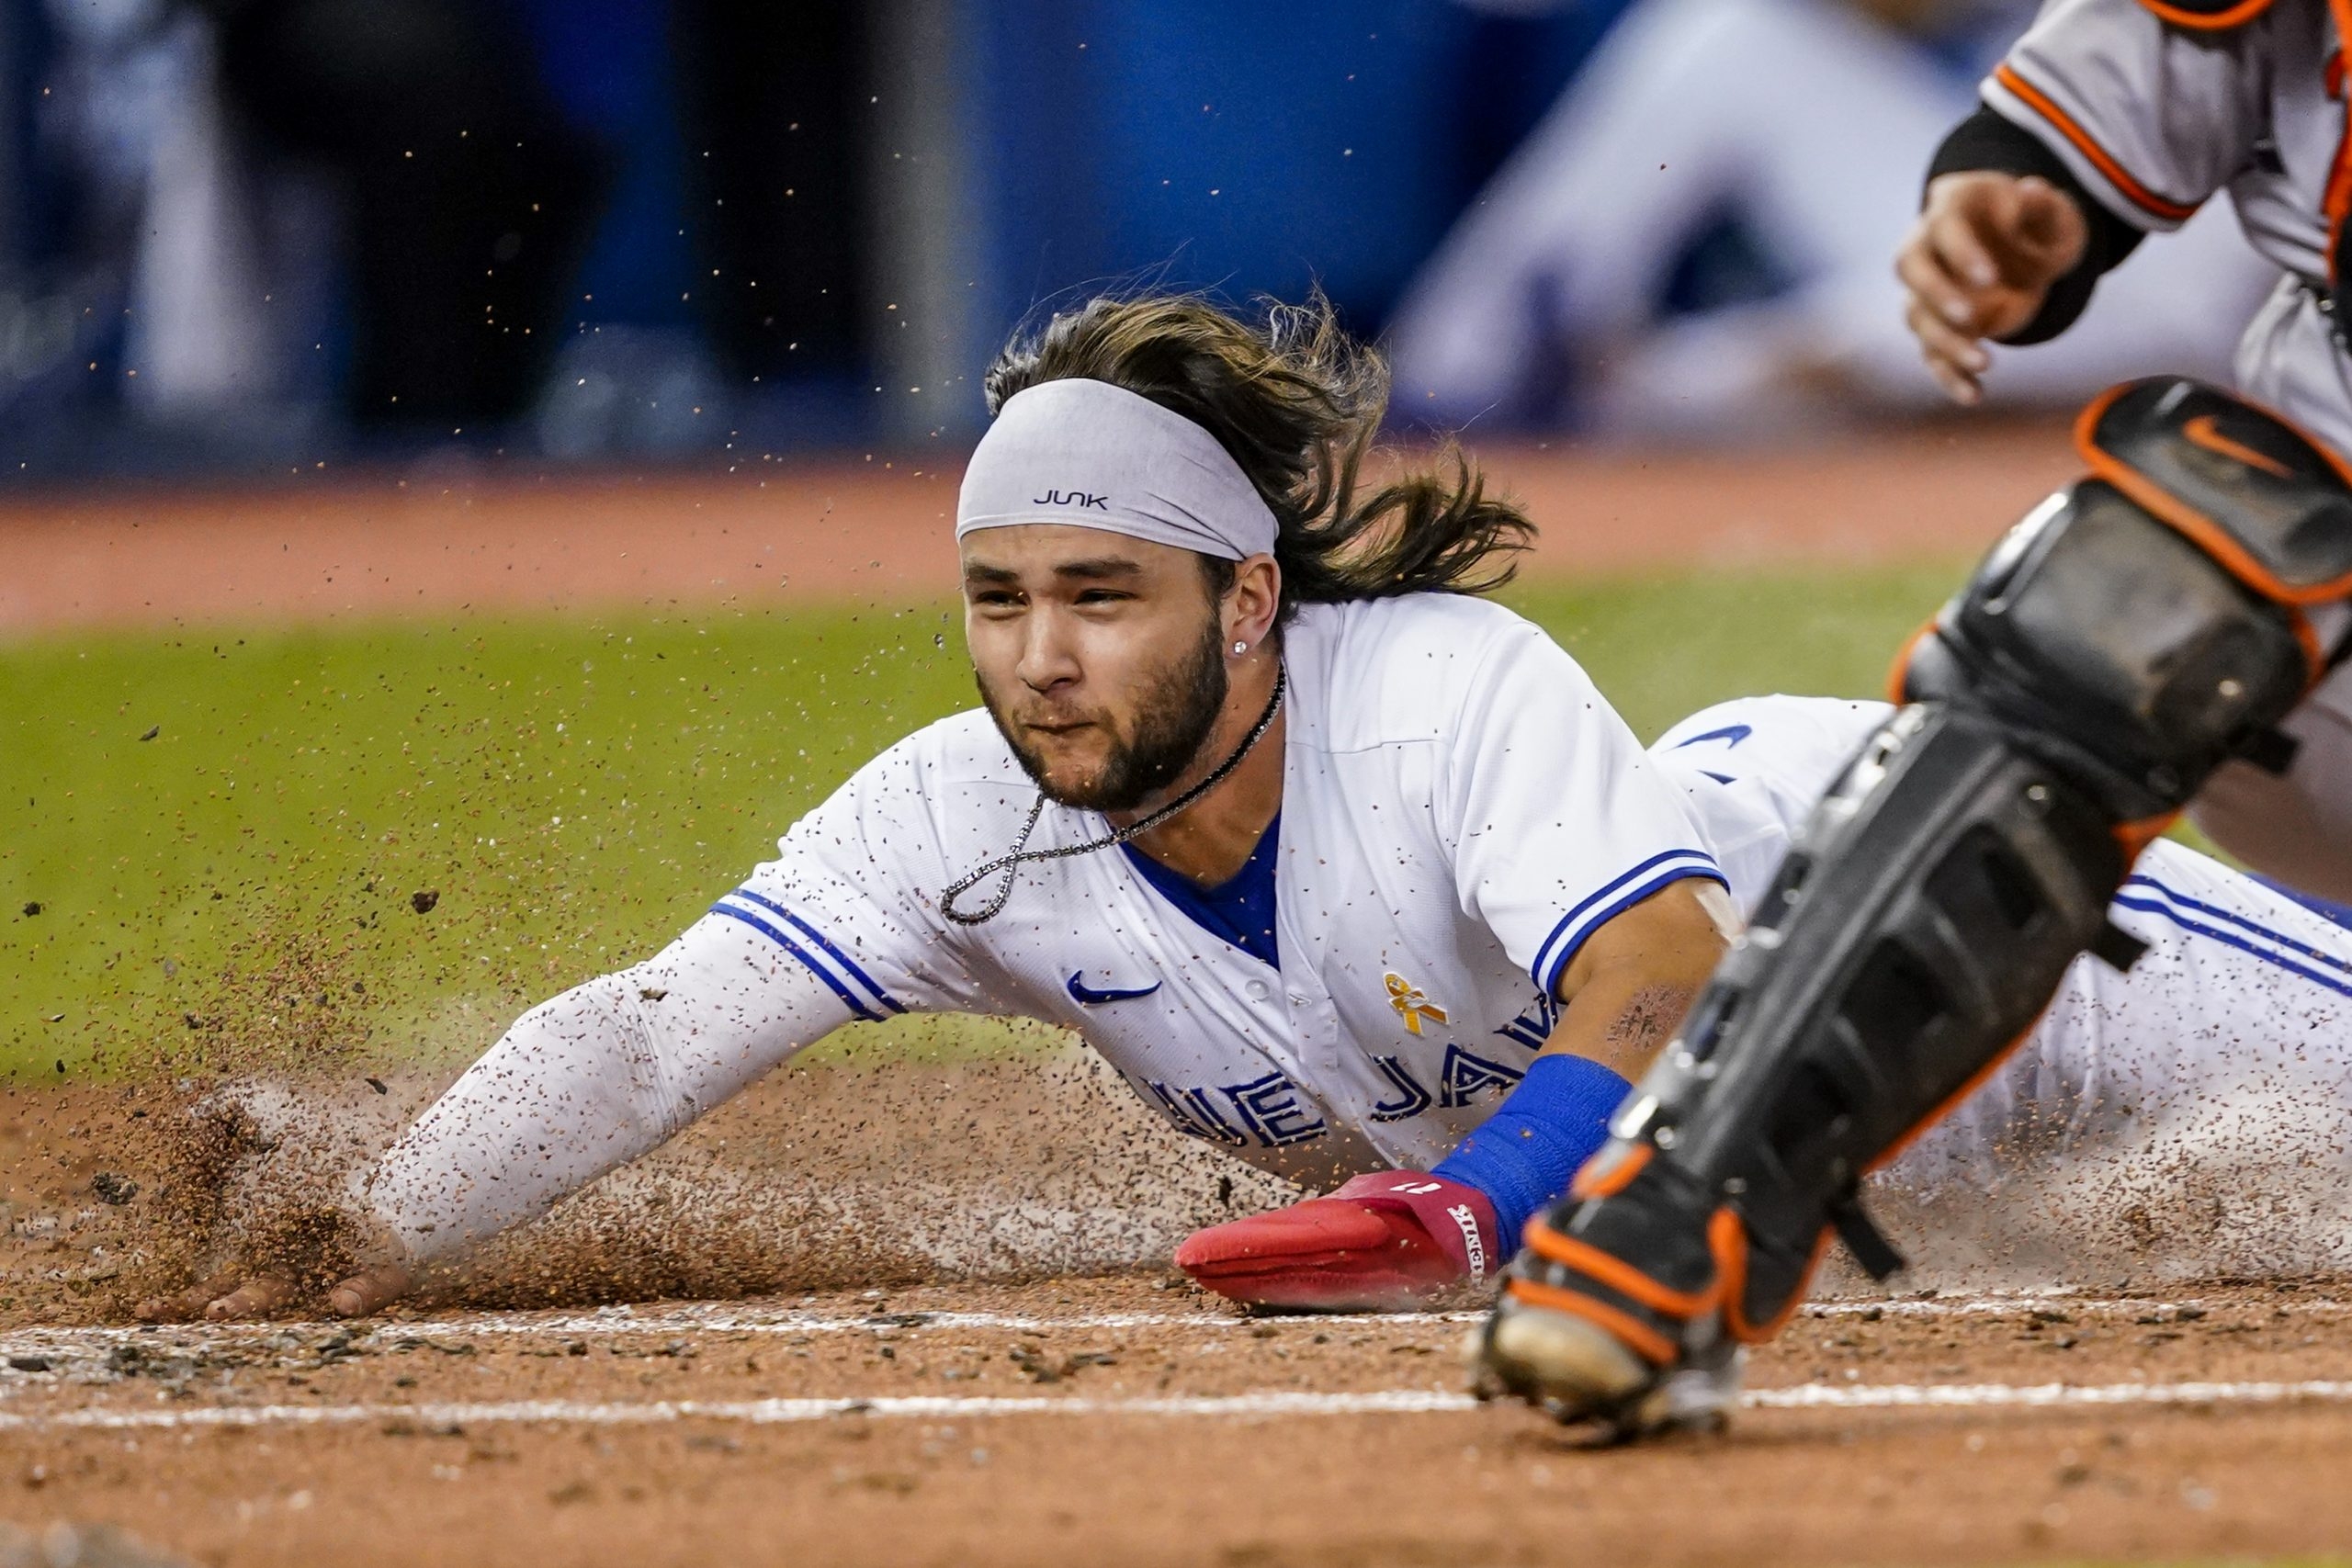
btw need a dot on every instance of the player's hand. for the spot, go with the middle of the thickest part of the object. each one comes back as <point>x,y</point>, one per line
<point>234,1295</point>
<point>1979,263</point>
<point>1386,1242</point>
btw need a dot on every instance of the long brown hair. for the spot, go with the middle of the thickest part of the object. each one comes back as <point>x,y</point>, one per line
<point>1297,403</point>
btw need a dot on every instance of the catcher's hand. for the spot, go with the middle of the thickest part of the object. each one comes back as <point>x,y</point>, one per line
<point>1979,263</point>
<point>234,1295</point>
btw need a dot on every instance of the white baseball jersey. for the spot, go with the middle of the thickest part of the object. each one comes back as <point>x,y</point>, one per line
<point>2243,995</point>
<point>2155,117</point>
<point>1461,811</point>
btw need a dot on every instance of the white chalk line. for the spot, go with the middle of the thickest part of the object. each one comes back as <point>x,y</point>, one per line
<point>1995,1396</point>
<point>880,1322</point>
<point>731,1318</point>
<point>1377,1402</point>
<point>675,1322</point>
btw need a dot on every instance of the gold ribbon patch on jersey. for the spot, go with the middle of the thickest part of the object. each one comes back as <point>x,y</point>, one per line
<point>1411,1004</point>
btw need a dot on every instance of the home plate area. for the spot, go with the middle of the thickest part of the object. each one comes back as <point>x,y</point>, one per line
<point>1126,1417</point>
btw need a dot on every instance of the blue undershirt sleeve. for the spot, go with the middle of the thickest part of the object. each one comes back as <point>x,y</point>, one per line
<point>1525,1155</point>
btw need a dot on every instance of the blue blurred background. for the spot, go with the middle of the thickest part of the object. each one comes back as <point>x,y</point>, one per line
<point>249,235</point>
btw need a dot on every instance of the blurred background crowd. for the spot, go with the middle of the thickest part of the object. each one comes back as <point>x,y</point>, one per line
<point>237,235</point>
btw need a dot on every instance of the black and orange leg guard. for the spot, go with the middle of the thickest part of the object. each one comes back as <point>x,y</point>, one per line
<point>2128,638</point>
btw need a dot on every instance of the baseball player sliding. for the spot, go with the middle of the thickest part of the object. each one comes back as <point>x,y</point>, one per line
<point>1354,877</point>
<point>1342,869</point>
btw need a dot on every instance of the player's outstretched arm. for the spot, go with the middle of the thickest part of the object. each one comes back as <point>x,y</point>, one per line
<point>584,1083</point>
<point>1633,979</point>
<point>1980,264</point>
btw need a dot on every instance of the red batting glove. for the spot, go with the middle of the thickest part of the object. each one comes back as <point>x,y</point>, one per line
<point>1386,1242</point>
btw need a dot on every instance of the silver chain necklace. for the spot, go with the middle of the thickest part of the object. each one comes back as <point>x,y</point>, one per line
<point>1010,864</point>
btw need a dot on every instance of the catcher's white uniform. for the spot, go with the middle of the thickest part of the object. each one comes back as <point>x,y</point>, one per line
<point>1461,810</point>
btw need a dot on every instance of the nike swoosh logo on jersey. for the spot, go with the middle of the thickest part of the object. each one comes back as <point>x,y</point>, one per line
<point>2203,431</point>
<point>1730,735</point>
<point>1087,996</point>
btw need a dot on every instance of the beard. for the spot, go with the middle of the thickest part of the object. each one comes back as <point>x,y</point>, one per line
<point>1173,718</point>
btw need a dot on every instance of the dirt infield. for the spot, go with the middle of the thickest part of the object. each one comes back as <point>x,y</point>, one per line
<point>969,1350</point>
<point>322,547</point>
<point>1118,1421</point>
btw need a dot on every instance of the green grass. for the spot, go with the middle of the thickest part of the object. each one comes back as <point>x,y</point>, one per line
<point>574,788</point>
<point>1662,647</point>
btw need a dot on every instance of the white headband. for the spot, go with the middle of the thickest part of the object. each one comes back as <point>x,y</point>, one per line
<point>1094,456</point>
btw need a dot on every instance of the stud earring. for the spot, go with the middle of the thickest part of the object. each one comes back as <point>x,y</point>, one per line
<point>1240,648</point>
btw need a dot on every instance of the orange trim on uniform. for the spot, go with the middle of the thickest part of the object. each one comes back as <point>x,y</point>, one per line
<point>2314,651</point>
<point>1652,1346</point>
<point>1613,1181</point>
<point>2235,16</point>
<point>2203,531</point>
<point>2140,195</point>
<point>1976,1080</point>
<point>2327,453</point>
<point>2213,539</point>
<point>2203,431</point>
<point>1727,1239</point>
<point>2136,836</point>
<point>1902,668</point>
<point>2336,199</point>
<point>1618,1275</point>
<point>2086,424</point>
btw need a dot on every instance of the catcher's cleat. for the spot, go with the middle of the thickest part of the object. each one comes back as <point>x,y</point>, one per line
<point>1591,1340</point>
<point>1568,1365</point>
<point>1580,1374</point>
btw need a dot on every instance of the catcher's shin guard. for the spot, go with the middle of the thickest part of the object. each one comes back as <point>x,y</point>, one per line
<point>2129,637</point>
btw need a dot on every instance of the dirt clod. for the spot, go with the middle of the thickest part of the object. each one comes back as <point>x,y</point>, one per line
<point>112,1190</point>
